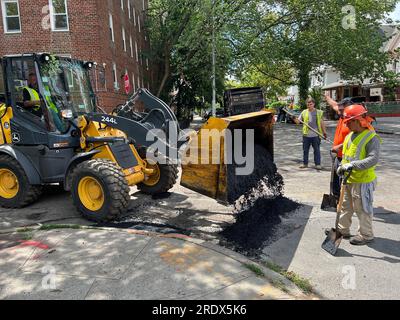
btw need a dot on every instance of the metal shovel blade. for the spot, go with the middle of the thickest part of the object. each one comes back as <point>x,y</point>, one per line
<point>332,242</point>
<point>329,203</point>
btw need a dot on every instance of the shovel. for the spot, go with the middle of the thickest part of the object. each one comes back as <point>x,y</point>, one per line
<point>334,238</point>
<point>329,201</point>
<point>308,126</point>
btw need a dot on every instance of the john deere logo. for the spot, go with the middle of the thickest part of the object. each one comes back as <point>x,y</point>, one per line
<point>16,137</point>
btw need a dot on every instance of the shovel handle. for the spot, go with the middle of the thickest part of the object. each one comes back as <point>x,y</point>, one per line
<point>308,126</point>
<point>341,199</point>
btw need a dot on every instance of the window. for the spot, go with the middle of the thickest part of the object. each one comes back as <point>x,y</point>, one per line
<point>59,15</point>
<point>122,5</point>
<point>147,63</point>
<point>139,23</point>
<point>144,5</point>
<point>111,27</point>
<point>11,18</point>
<point>138,81</point>
<point>129,9</point>
<point>131,45</point>
<point>134,16</point>
<point>123,39</point>
<point>133,83</point>
<point>116,85</point>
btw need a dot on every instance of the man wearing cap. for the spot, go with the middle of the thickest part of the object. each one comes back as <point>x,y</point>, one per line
<point>341,133</point>
<point>361,151</point>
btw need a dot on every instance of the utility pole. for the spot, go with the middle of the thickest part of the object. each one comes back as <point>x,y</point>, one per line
<point>214,86</point>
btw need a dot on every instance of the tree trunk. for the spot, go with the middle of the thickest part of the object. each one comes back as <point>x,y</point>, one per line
<point>304,84</point>
<point>166,75</point>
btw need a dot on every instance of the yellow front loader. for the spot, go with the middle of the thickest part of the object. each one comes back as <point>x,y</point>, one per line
<point>67,140</point>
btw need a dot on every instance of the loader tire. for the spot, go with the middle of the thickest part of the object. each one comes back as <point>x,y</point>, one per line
<point>15,190</point>
<point>99,190</point>
<point>162,181</point>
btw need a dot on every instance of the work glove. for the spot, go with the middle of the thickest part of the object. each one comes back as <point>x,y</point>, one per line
<point>344,168</point>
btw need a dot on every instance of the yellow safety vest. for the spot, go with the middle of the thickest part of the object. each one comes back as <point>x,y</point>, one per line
<point>34,96</point>
<point>306,119</point>
<point>47,95</point>
<point>356,150</point>
<point>53,109</point>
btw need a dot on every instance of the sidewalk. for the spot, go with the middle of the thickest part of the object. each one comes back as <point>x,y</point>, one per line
<point>111,264</point>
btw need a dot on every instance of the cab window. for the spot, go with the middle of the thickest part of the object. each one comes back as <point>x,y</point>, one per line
<point>20,70</point>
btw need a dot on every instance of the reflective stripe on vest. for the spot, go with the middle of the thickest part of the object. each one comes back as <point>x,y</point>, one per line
<point>356,150</point>
<point>34,96</point>
<point>306,119</point>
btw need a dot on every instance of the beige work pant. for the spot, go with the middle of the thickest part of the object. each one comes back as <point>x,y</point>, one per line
<point>353,204</point>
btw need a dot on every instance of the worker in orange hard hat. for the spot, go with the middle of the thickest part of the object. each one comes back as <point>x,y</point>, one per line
<point>337,149</point>
<point>361,151</point>
<point>360,113</point>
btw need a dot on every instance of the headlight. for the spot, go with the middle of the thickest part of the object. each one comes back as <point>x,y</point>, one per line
<point>67,114</point>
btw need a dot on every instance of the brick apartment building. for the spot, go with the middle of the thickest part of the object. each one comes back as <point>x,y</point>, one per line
<point>109,32</point>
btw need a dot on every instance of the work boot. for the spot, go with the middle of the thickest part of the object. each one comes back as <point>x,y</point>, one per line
<point>345,236</point>
<point>304,166</point>
<point>360,241</point>
<point>318,167</point>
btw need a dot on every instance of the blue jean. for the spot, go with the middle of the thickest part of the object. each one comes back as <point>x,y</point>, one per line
<point>316,144</point>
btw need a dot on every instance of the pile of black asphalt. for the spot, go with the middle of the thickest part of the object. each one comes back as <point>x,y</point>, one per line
<point>259,211</point>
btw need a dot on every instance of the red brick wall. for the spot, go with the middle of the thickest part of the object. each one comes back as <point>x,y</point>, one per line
<point>88,38</point>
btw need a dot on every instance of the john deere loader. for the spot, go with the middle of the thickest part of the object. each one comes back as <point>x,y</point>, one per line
<point>64,138</point>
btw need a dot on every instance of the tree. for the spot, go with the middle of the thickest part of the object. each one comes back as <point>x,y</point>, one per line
<point>304,34</point>
<point>181,37</point>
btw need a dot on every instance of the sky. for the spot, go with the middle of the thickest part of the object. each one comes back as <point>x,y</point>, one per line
<point>396,14</point>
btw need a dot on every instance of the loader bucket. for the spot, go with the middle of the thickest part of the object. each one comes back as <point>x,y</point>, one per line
<point>209,162</point>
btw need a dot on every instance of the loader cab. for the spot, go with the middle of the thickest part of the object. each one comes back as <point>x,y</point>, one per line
<point>48,139</point>
<point>62,85</point>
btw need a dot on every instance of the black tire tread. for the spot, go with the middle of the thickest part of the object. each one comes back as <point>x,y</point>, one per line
<point>116,183</point>
<point>169,176</point>
<point>31,194</point>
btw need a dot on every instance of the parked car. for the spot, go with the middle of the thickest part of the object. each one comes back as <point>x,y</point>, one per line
<point>220,113</point>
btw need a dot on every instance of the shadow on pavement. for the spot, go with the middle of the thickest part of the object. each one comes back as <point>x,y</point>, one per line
<point>344,254</point>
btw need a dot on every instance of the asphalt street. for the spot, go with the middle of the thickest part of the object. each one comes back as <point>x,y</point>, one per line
<point>368,272</point>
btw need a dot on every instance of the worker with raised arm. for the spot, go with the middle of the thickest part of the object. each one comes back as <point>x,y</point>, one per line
<point>340,134</point>
<point>361,151</point>
<point>315,119</point>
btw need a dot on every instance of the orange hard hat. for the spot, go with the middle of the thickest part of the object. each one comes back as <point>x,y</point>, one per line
<point>355,111</point>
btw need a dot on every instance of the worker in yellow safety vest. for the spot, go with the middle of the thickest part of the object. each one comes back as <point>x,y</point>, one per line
<point>315,119</point>
<point>361,151</point>
<point>31,96</point>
